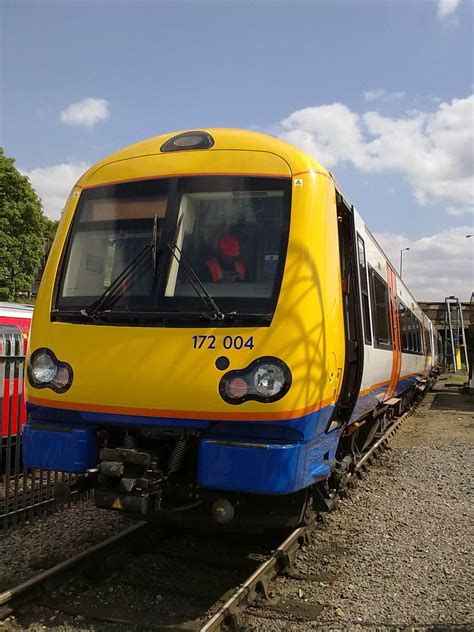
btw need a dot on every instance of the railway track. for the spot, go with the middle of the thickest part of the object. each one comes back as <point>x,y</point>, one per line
<point>13,598</point>
<point>225,577</point>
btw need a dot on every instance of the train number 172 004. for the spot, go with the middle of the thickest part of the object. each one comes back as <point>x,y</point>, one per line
<point>228,342</point>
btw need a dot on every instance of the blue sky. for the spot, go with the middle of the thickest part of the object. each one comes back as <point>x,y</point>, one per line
<point>367,70</point>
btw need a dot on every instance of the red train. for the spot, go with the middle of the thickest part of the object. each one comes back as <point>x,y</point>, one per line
<point>15,321</point>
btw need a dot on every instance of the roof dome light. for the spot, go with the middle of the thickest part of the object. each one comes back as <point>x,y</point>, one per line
<point>188,140</point>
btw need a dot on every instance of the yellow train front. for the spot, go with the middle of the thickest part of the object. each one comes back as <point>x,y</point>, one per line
<point>188,347</point>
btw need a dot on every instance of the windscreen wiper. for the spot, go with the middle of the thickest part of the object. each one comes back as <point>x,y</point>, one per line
<point>214,313</point>
<point>117,288</point>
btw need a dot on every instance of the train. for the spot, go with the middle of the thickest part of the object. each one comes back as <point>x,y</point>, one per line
<point>15,322</point>
<point>217,336</point>
<point>16,315</point>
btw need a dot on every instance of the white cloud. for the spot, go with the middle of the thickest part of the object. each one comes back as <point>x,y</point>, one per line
<point>86,112</point>
<point>436,266</point>
<point>456,212</point>
<point>373,95</point>
<point>447,7</point>
<point>381,94</point>
<point>331,133</point>
<point>432,150</point>
<point>53,185</point>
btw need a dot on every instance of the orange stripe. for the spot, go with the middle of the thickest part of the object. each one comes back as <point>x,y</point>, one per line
<point>178,414</point>
<point>189,174</point>
<point>395,332</point>
<point>374,387</point>
<point>385,383</point>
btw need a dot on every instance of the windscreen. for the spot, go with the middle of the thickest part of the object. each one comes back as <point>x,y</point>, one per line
<point>163,245</point>
<point>112,226</point>
<point>232,240</point>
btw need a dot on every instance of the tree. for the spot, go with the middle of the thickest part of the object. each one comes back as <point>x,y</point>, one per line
<point>25,232</point>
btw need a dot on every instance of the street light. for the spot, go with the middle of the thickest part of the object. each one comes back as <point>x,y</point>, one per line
<point>401,259</point>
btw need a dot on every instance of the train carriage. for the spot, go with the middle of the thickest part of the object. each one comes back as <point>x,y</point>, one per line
<point>217,334</point>
<point>15,321</point>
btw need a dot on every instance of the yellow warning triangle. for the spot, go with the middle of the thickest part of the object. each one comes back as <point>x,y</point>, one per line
<point>117,504</point>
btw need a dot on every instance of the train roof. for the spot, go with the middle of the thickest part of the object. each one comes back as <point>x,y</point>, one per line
<point>19,310</point>
<point>224,139</point>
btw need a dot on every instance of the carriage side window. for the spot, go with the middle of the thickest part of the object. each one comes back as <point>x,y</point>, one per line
<point>426,340</point>
<point>364,288</point>
<point>402,316</point>
<point>419,344</point>
<point>416,334</point>
<point>411,332</point>
<point>380,313</point>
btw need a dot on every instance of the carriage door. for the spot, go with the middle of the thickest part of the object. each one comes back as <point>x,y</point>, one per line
<point>395,331</point>
<point>354,363</point>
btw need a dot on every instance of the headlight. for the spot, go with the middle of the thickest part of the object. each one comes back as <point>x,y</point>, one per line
<point>266,380</point>
<point>43,368</point>
<point>269,379</point>
<point>46,371</point>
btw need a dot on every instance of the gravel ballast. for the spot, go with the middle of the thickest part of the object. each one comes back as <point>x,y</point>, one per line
<point>397,555</point>
<point>48,541</point>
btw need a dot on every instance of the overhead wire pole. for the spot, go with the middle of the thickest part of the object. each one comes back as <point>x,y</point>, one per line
<point>401,259</point>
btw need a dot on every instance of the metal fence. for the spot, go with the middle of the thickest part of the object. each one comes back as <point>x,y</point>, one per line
<point>25,494</point>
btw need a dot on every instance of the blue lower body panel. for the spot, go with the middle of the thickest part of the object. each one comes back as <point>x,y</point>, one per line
<point>266,468</point>
<point>60,448</point>
<point>276,457</point>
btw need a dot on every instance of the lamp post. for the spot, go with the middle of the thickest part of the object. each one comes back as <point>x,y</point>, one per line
<point>401,259</point>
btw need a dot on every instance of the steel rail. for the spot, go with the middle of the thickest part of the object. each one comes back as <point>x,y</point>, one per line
<point>251,584</point>
<point>62,567</point>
